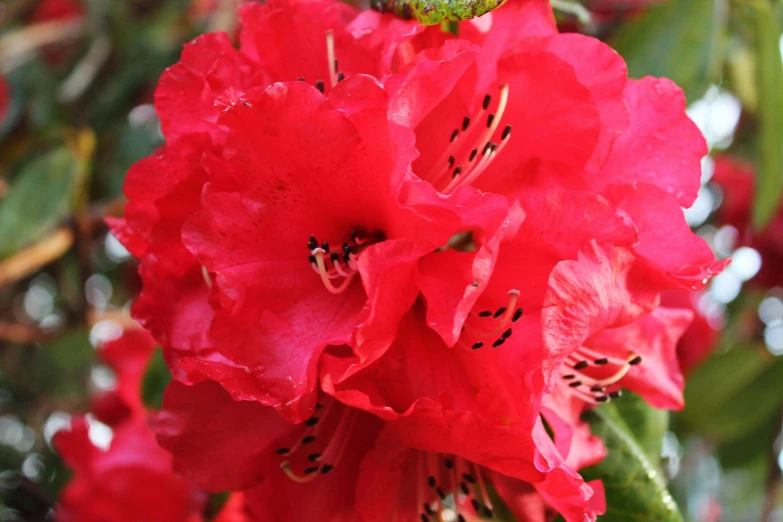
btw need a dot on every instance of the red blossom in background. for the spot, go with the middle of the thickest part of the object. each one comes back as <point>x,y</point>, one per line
<point>737,180</point>
<point>49,10</point>
<point>701,337</point>
<point>131,479</point>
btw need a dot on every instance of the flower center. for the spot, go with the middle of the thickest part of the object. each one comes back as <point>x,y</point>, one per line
<point>448,483</point>
<point>491,326</point>
<point>589,374</point>
<point>337,268</point>
<point>319,446</point>
<point>471,149</point>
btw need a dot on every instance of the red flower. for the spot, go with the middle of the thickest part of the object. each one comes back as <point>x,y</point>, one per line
<point>399,483</point>
<point>280,40</point>
<point>533,112</point>
<point>280,184</point>
<point>737,180</point>
<point>443,313</point>
<point>132,479</point>
<point>343,460</point>
<point>532,109</point>
<point>127,356</point>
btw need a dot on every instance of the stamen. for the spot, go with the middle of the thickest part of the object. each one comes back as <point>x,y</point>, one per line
<point>330,57</point>
<point>596,387</point>
<point>320,86</point>
<point>286,467</point>
<point>507,312</point>
<point>207,277</point>
<point>493,120</point>
<point>319,253</point>
<point>437,173</point>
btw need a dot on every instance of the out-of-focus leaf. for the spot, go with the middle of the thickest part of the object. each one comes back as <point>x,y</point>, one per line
<point>62,366</point>
<point>647,424</point>
<point>676,39</point>
<point>733,393</point>
<point>769,74</point>
<point>42,194</point>
<point>432,12</point>
<point>156,378</point>
<point>752,447</point>
<point>635,488</point>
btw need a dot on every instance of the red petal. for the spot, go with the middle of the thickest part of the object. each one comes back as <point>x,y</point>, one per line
<point>662,146</point>
<point>217,442</point>
<point>603,288</point>
<point>681,258</point>
<point>654,336</point>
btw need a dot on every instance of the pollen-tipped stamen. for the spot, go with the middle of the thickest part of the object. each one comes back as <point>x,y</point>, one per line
<point>509,313</point>
<point>492,124</point>
<point>593,389</point>
<point>319,254</point>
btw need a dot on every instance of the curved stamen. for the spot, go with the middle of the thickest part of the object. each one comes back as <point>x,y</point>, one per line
<point>319,254</point>
<point>510,313</point>
<point>309,476</point>
<point>595,355</point>
<point>492,125</point>
<point>445,162</point>
<point>593,389</point>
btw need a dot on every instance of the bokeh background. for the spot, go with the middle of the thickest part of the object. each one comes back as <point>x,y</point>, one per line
<point>76,84</point>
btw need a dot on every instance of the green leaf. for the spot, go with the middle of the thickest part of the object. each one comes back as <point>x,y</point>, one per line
<point>635,488</point>
<point>647,424</point>
<point>156,378</point>
<point>730,395</point>
<point>42,194</point>
<point>769,70</point>
<point>677,40</point>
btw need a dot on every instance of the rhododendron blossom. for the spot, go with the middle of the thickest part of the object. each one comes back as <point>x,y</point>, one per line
<point>381,257</point>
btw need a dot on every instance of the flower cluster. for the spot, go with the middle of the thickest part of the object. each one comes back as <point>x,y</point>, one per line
<point>390,266</point>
